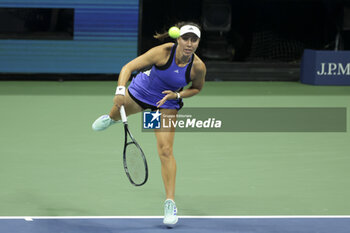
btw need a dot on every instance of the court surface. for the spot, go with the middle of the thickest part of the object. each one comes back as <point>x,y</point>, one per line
<point>186,225</point>
<point>53,164</point>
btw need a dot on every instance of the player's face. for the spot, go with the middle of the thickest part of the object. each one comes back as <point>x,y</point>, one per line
<point>188,43</point>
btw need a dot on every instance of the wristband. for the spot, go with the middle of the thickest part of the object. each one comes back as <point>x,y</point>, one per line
<point>177,95</point>
<point>120,90</point>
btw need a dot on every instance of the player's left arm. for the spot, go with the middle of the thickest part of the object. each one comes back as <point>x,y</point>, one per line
<point>198,73</point>
<point>198,78</point>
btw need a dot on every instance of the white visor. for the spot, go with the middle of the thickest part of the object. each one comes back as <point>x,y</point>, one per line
<point>190,29</point>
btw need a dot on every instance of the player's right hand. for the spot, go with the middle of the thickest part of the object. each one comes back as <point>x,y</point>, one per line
<point>119,100</point>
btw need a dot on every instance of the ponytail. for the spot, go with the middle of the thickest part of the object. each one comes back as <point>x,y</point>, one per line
<point>161,36</point>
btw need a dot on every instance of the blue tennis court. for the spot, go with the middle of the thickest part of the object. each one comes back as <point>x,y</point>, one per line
<point>288,224</point>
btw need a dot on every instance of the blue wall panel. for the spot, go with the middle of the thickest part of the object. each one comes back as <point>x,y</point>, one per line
<point>105,24</point>
<point>105,38</point>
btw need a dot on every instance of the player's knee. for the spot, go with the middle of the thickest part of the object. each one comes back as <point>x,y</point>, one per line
<point>165,151</point>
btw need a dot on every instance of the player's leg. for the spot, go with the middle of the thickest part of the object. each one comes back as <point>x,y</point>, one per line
<point>104,121</point>
<point>165,141</point>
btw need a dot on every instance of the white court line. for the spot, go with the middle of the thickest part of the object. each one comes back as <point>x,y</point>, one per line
<point>29,218</point>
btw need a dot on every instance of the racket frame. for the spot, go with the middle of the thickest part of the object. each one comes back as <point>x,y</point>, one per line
<point>126,143</point>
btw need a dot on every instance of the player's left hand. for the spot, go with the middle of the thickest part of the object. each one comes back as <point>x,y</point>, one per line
<point>170,95</point>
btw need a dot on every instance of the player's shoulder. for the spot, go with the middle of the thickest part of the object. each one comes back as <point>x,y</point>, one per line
<point>198,64</point>
<point>159,53</point>
<point>166,47</point>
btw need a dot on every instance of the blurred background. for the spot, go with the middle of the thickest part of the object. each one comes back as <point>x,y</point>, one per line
<point>242,40</point>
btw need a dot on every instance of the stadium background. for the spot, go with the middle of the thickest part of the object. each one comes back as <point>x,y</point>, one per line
<point>242,40</point>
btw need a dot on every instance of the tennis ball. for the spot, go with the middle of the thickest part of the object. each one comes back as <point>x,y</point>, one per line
<point>174,32</point>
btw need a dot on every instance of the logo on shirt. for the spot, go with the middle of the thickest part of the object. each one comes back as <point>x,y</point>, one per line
<point>176,71</point>
<point>147,72</point>
<point>151,120</point>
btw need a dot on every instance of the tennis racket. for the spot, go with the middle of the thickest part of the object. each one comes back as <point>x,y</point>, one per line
<point>135,163</point>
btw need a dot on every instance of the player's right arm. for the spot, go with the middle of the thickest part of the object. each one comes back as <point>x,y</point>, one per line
<point>157,55</point>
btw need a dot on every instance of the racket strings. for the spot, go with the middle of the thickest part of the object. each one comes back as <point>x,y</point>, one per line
<point>135,164</point>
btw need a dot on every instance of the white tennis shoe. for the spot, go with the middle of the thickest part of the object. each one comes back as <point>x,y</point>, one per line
<point>103,122</point>
<point>170,213</point>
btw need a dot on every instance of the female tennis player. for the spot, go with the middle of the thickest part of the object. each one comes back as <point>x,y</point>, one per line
<point>174,65</point>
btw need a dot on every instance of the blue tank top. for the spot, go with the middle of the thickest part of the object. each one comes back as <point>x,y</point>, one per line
<point>148,86</point>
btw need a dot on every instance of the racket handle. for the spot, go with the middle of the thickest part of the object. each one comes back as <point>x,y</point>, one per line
<point>123,114</point>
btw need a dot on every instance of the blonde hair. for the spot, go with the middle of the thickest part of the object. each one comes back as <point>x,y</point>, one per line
<point>164,35</point>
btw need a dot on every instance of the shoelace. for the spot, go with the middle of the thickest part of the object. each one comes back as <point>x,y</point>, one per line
<point>169,208</point>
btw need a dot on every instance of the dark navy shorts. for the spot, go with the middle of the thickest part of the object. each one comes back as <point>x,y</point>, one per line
<point>145,106</point>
